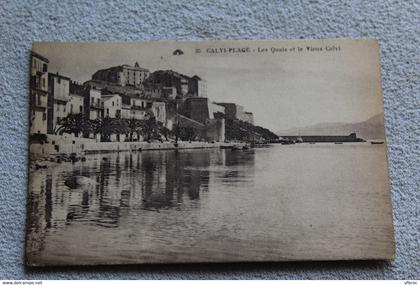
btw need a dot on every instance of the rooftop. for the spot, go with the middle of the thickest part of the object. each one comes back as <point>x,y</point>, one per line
<point>40,56</point>
<point>58,76</point>
<point>135,67</point>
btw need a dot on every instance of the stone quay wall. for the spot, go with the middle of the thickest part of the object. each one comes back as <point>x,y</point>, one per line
<point>81,146</point>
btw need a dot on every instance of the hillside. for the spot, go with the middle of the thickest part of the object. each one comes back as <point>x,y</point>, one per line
<point>373,128</point>
<point>239,130</point>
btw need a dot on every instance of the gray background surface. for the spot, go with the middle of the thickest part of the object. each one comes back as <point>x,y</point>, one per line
<point>395,23</point>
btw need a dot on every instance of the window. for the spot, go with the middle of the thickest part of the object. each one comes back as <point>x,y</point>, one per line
<point>64,108</point>
<point>43,82</point>
<point>92,100</point>
<point>81,109</point>
<point>71,109</point>
<point>44,116</point>
<point>107,111</point>
<point>39,99</point>
<point>44,67</point>
<point>112,103</point>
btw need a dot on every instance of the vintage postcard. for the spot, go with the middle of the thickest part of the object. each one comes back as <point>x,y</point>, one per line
<point>207,151</point>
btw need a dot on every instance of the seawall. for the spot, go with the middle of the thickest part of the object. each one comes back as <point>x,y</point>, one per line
<point>57,145</point>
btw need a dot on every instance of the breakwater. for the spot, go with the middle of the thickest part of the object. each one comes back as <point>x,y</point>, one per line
<point>324,138</point>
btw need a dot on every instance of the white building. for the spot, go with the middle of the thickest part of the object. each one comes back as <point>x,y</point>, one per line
<point>59,96</point>
<point>94,104</point>
<point>123,75</point>
<point>75,104</point>
<point>136,109</point>
<point>112,104</point>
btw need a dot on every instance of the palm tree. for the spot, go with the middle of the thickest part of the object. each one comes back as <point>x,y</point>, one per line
<point>134,126</point>
<point>149,127</point>
<point>73,124</point>
<point>109,126</point>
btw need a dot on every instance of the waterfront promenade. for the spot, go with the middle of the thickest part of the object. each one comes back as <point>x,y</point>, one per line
<point>66,146</point>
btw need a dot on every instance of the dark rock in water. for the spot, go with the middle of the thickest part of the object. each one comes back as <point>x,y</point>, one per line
<point>39,166</point>
<point>75,182</point>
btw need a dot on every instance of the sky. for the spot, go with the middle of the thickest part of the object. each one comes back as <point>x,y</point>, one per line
<point>297,85</point>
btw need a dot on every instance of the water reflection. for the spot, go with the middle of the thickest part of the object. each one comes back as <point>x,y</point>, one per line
<point>112,186</point>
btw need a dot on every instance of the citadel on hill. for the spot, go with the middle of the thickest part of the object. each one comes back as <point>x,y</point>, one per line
<point>120,103</point>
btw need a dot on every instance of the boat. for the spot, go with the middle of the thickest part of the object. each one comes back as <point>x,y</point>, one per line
<point>376,142</point>
<point>225,146</point>
<point>236,147</point>
<point>246,147</point>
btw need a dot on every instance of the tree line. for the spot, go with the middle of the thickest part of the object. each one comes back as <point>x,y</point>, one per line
<point>150,129</point>
<point>78,124</point>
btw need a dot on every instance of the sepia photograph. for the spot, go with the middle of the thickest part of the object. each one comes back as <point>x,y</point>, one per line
<point>207,151</point>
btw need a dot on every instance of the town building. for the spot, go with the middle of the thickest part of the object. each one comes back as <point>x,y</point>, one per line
<point>235,111</point>
<point>92,109</point>
<point>58,99</point>
<point>123,75</point>
<point>110,87</point>
<point>112,105</point>
<point>75,105</point>
<point>134,107</point>
<point>39,94</point>
<point>166,78</point>
<point>197,87</point>
<point>93,104</point>
<point>168,93</point>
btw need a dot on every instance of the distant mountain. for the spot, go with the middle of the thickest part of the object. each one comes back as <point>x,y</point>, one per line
<point>373,128</point>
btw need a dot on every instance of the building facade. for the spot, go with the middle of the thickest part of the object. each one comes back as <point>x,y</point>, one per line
<point>39,94</point>
<point>93,104</point>
<point>58,99</point>
<point>134,107</point>
<point>197,87</point>
<point>112,105</point>
<point>75,104</point>
<point>123,75</point>
<point>166,78</point>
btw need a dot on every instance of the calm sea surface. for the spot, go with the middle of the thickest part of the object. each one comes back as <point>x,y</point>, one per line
<point>321,201</point>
